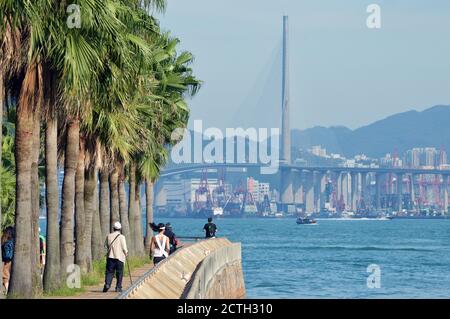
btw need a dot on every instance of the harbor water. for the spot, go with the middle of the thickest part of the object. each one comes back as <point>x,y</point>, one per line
<point>331,258</point>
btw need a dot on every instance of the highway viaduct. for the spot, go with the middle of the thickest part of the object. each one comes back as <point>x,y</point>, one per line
<point>305,185</point>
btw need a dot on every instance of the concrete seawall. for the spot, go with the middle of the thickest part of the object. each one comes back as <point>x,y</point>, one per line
<point>207,269</point>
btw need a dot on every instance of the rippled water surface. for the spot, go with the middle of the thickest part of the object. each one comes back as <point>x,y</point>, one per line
<point>329,260</point>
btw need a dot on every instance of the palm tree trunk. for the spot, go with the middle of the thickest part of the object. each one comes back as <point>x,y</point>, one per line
<point>89,207</point>
<point>149,213</point>
<point>52,264</point>
<point>132,206</point>
<point>80,231</point>
<point>68,196</point>
<point>138,222</point>
<point>104,203</point>
<point>20,282</point>
<point>97,238</point>
<point>114,194</point>
<point>35,211</point>
<point>123,207</point>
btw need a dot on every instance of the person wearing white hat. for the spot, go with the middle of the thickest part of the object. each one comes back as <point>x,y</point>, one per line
<point>115,258</point>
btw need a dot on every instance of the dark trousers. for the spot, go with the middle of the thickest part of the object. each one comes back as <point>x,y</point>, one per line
<point>113,266</point>
<point>157,260</point>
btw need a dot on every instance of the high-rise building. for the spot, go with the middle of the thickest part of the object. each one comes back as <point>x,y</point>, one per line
<point>264,189</point>
<point>412,158</point>
<point>182,192</point>
<point>428,157</point>
<point>317,150</point>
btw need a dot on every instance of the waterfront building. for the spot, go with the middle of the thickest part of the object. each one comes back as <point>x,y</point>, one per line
<point>318,151</point>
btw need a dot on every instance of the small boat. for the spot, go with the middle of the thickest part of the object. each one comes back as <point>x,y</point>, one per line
<point>217,211</point>
<point>305,221</point>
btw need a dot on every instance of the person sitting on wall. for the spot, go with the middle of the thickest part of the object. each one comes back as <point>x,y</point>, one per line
<point>210,229</point>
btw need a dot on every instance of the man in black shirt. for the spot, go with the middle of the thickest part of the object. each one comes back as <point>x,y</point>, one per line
<point>210,229</point>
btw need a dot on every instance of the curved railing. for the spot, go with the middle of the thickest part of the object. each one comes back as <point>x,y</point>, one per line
<point>219,275</point>
<point>172,277</point>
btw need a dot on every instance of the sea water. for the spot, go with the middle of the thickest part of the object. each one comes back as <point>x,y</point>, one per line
<point>331,259</point>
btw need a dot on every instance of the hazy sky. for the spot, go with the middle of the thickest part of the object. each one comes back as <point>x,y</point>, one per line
<point>342,72</point>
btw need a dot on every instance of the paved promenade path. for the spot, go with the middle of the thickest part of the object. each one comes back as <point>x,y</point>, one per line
<point>95,292</point>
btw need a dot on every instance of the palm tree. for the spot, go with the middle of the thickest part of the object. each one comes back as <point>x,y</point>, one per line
<point>90,187</point>
<point>35,195</point>
<point>170,112</point>
<point>80,223</point>
<point>38,27</point>
<point>123,207</point>
<point>104,202</point>
<point>27,84</point>
<point>132,206</point>
<point>97,239</point>
<point>52,263</point>
<point>21,279</point>
<point>68,194</point>
<point>114,90</point>
<point>83,53</point>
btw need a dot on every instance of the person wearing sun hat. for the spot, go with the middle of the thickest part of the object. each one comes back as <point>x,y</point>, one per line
<point>115,257</point>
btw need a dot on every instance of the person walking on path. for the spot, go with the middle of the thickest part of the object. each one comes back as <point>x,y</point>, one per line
<point>210,229</point>
<point>7,255</point>
<point>159,246</point>
<point>116,257</point>
<point>173,241</point>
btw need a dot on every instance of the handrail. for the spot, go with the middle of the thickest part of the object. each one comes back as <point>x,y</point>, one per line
<point>195,238</point>
<point>172,273</point>
<point>147,274</point>
<point>201,279</point>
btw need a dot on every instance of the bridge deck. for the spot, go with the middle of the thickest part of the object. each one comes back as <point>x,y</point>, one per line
<point>186,168</point>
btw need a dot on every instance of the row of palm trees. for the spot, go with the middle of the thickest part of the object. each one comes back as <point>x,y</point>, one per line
<point>100,101</point>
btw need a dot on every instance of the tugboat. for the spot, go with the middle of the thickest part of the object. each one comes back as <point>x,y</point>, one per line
<point>305,221</point>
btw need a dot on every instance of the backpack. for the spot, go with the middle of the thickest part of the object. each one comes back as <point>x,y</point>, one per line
<point>7,251</point>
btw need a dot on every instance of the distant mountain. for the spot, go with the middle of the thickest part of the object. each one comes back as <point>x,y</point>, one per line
<point>402,131</point>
